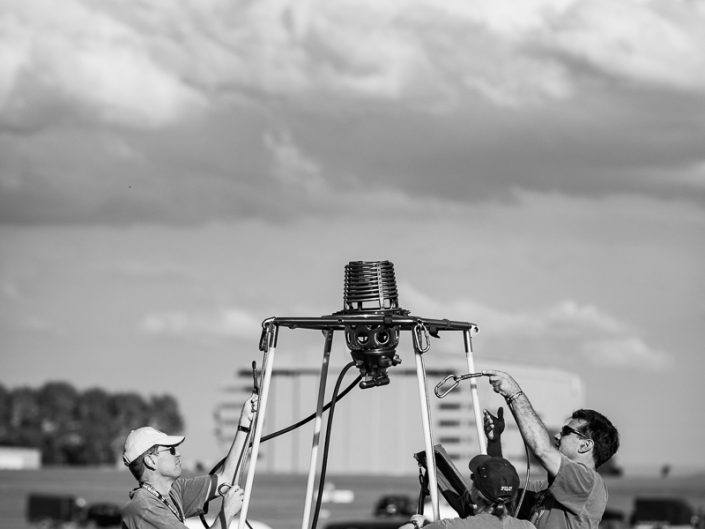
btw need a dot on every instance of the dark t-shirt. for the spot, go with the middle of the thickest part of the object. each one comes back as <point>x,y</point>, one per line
<point>575,499</point>
<point>187,496</point>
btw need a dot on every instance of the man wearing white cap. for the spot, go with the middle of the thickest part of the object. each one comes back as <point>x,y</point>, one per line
<point>164,499</point>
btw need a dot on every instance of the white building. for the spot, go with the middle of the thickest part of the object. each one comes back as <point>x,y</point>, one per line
<point>19,458</point>
<point>377,430</point>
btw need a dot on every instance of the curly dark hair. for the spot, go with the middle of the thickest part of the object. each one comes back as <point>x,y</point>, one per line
<point>603,433</point>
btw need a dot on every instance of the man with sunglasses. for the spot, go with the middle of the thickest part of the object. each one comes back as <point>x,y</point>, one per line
<point>574,496</point>
<point>164,499</point>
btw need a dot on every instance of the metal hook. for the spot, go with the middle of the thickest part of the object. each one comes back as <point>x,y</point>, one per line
<point>437,389</point>
<point>422,342</point>
<point>456,380</point>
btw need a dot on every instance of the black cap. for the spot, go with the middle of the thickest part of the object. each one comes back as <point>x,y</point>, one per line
<point>495,477</point>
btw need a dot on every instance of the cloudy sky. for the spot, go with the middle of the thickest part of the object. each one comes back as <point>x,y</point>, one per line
<point>173,172</point>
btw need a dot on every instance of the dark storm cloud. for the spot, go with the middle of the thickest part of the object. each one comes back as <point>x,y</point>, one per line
<point>244,166</point>
<point>628,142</point>
<point>175,115</point>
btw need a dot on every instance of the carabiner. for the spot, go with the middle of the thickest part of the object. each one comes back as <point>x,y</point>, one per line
<point>437,389</point>
<point>456,379</point>
<point>422,342</point>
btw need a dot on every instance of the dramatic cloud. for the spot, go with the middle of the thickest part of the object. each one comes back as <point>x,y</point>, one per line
<point>89,62</point>
<point>638,40</point>
<point>193,111</point>
<point>145,65</point>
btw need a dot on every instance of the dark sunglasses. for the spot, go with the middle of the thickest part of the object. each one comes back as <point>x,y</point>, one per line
<point>170,449</point>
<point>567,430</point>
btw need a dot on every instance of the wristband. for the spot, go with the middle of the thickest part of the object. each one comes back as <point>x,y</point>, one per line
<point>241,428</point>
<point>514,396</point>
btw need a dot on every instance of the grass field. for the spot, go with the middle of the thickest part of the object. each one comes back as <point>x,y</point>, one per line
<point>278,499</point>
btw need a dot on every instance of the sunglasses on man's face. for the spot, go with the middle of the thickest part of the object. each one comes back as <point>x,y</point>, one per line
<point>567,430</point>
<point>170,449</point>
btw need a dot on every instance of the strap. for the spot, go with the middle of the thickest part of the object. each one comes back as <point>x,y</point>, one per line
<point>154,492</point>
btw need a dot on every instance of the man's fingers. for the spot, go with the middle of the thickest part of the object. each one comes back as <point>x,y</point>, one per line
<point>236,492</point>
<point>253,400</point>
<point>500,413</point>
<point>488,415</point>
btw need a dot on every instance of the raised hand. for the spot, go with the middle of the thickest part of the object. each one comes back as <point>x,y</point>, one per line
<point>502,383</point>
<point>494,425</point>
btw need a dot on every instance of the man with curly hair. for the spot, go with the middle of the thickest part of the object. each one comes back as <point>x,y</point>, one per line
<point>574,496</point>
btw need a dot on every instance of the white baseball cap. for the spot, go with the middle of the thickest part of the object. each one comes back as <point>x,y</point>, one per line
<point>142,439</point>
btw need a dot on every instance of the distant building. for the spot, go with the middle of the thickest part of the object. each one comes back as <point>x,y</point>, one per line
<point>19,458</point>
<point>377,430</point>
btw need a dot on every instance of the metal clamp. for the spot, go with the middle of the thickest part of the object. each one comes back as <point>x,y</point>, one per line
<point>267,337</point>
<point>456,380</point>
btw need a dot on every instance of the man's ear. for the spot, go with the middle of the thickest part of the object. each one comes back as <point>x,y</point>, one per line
<point>149,462</point>
<point>586,445</point>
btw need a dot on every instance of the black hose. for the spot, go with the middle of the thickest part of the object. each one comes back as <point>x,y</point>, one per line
<point>528,469</point>
<point>526,482</point>
<point>326,444</point>
<point>295,425</point>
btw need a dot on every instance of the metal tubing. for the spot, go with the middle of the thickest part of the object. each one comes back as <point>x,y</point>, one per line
<point>428,439</point>
<point>339,321</point>
<point>473,393</point>
<point>317,430</point>
<point>261,411</point>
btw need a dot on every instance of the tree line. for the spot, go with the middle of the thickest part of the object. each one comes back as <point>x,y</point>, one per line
<point>72,427</point>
